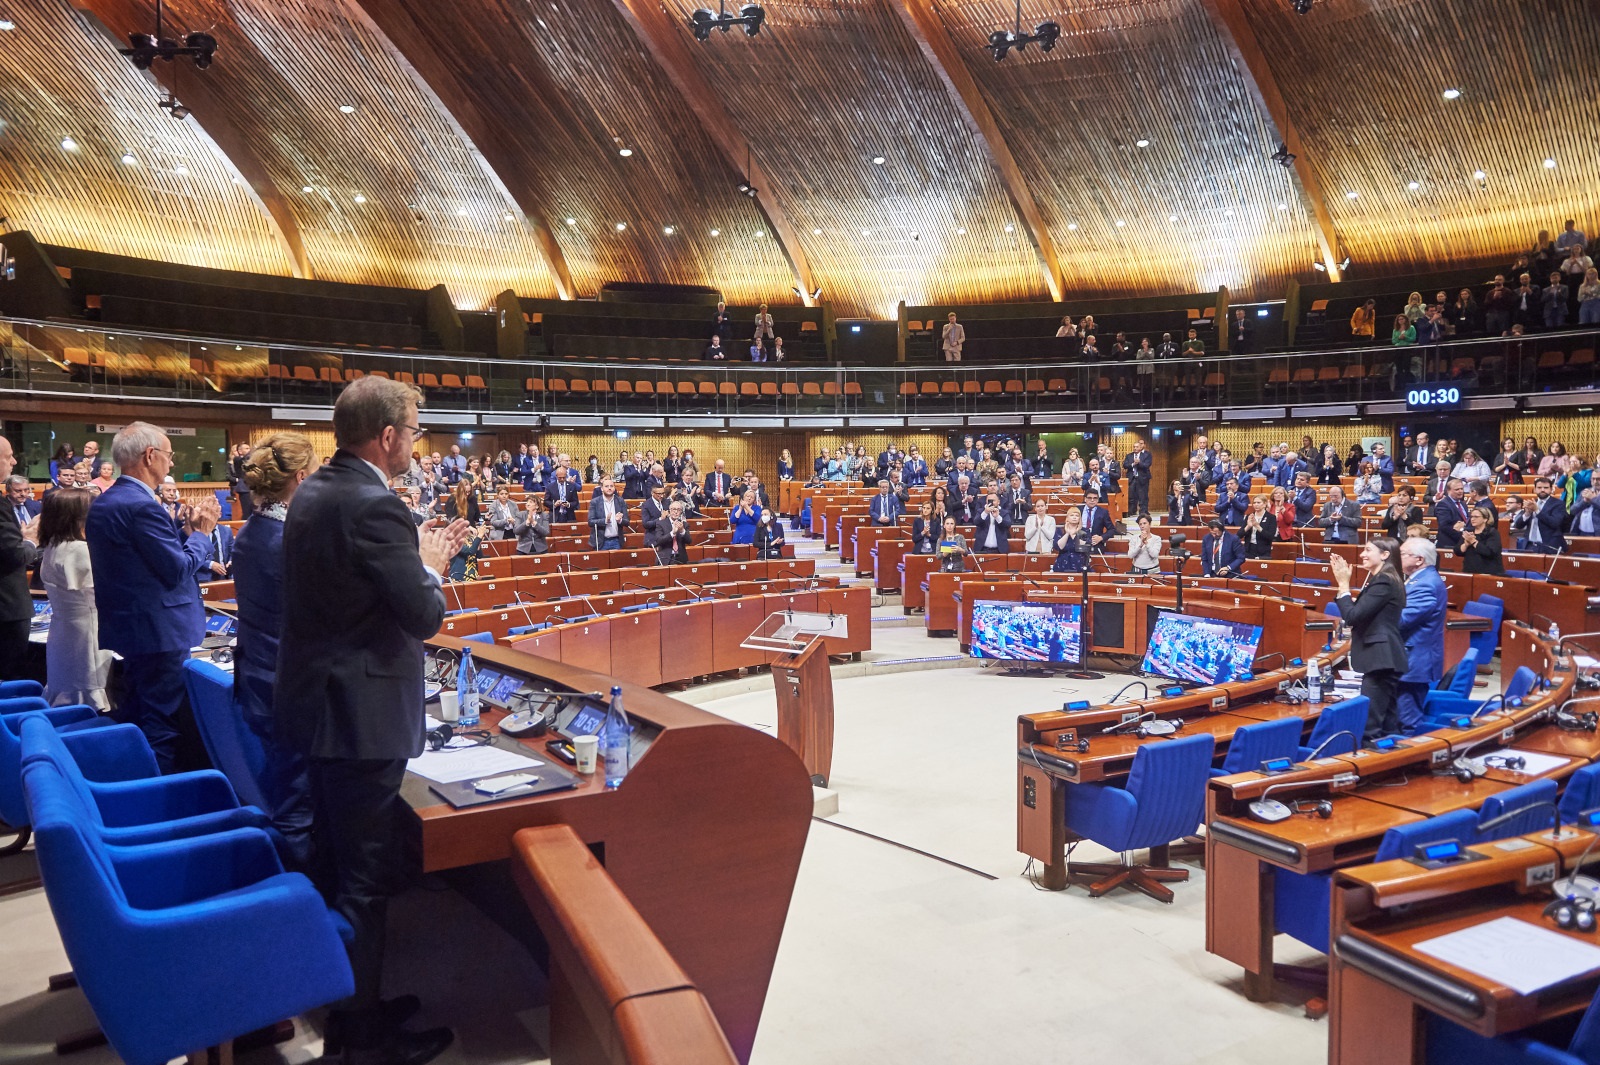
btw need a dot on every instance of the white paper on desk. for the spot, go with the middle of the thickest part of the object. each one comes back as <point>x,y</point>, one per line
<point>1586,662</point>
<point>467,762</point>
<point>1535,763</point>
<point>1517,953</point>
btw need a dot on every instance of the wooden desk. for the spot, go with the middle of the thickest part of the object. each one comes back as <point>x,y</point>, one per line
<point>669,847</point>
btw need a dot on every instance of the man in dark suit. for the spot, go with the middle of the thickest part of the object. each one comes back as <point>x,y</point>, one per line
<point>1545,532</point>
<point>1419,456</point>
<point>718,485</point>
<point>19,549</point>
<point>1096,522</point>
<point>361,591</point>
<point>671,536</point>
<point>992,529</point>
<point>1422,628</point>
<point>1451,514</point>
<point>1340,520</point>
<point>1435,489</point>
<point>1016,501</point>
<point>969,450</point>
<point>19,497</point>
<point>218,562</point>
<point>1383,464</point>
<point>608,516</point>
<point>885,508</point>
<point>1221,552</point>
<point>1137,468</point>
<point>1239,333</point>
<point>1304,497</point>
<point>561,498</point>
<point>963,502</point>
<point>144,585</point>
<point>1584,517</point>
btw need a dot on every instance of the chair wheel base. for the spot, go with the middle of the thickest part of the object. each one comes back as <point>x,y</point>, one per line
<point>1152,880</point>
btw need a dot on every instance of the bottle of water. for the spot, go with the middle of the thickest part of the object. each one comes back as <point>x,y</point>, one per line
<point>1555,632</point>
<point>467,690</point>
<point>1313,682</point>
<point>614,734</point>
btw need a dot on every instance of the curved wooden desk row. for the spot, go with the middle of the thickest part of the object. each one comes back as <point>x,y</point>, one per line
<point>483,594</point>
<point>616,994</point>
<point>557,561</point>
<point>1397,786</point>
<point>679,642</point>
<point>703,839</point>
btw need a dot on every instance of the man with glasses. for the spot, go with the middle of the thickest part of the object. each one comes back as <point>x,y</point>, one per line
<point>145,589</point>
<point>361,591</point>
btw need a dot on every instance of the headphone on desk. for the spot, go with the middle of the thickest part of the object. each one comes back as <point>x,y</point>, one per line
<point>1069,740</point>
<point>1313,807</point>
<point>1587,721</point>
<point>439,738</point>
<point>1572,913</point>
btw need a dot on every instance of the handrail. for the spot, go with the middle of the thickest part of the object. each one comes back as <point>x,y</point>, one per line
<point>636,1000</point>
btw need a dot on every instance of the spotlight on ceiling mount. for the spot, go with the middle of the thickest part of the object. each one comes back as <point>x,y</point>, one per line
<point>704,20</point>
<point>145,48</point>
<point>169,103</point>
<point>1283,156</point>
<point>748,189</point>
<point>1301,7</point>
<point>1045,34</point>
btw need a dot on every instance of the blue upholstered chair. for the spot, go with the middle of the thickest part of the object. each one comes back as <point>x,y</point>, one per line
<point>113,774</point>
<point>1459,680</point>
<point>15,689</point>
<point>234,749</point>
<point>1485,642</point>
<point>183,944</point>
<point>1349,716</point>
<point>1254,744</point>
<point>1440,709</point>
<point>1164,800</point>
<point>1582,793</point>
<point>1447,1043</point>
<point>1302,904</point>
<point>13,807</point>
<point>479,637</point>
<point>1540,794</point>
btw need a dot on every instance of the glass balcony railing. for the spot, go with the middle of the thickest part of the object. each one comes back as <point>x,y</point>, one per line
<point>47,358</point>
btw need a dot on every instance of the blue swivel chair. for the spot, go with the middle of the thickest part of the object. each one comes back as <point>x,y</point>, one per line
<point>16,689</point>
<point>1303,902</point>
<point>1447,1043</point>
<point>1164,800</point>
<point>1349,717</point>
<point>1582,793</point>
<point>183,944</point>
<point>113,774</point>
<point>1459,681</point>
<point>479,637</point>
<point>1254,744</point>
<point>1485,642</point>
<point>233,748</point>
<point>13,807</point>
<point>1442,708</point>
<point>1540,794</point>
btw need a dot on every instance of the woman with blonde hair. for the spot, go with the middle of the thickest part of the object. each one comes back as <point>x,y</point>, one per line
<point>273,472</point>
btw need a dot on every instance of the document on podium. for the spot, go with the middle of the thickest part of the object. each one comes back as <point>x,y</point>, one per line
<point>467,762</point>
<point>1515,953</point>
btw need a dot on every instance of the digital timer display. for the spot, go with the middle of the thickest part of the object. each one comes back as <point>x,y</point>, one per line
<point>1434,397</point>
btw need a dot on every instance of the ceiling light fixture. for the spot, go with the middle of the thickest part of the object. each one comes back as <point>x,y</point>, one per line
<point>1172,218</point>
<point>815,295</point>
<point>7,24</point>
<point>866,232</point>
<point>572,221</point>
<point>1413,185</point>
<point>621,226</point>
<point>68,144</point>
<point>761,233</point>
<point>1002,41</point>
<point>1318,267</point>
<point>1452,94</point>
<point>668,230</point>
<point>1011,229</point>
<point>1352,195</point>
<point>1072,227</point>
<point>145,48</point>
<point>1301,7</point>
<point>1141,143</point>
<point>181,170</point>
<point>509,217</point>
<point>1549,164</point>
<point>1478,175</point>
<point>705,20</point>
<point>879,160</point>
<point>716,232</point>
<point>816,232</point>
<point>128,159</point>
<point>1283,156</point>
<point>961,232</point>
<point>347,109</point>
<point>1283,207</point>
<point>360,198</point>
<point>625,152</point>
<point>462,213</point>
<point>1120,223</point>
<point>169,103</point>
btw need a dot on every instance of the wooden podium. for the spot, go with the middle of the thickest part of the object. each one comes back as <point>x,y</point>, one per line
<point>803,682</point>
<point>802,679</point>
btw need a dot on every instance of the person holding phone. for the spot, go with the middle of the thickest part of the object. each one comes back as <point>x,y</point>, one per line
<point>1377,649</point>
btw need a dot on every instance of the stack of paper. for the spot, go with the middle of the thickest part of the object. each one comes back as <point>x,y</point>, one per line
<point>1515,953</point>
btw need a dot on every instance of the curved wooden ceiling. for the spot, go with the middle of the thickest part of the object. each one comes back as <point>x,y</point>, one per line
<point>520,107</point>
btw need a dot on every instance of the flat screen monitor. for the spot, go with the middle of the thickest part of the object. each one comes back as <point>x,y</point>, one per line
<point>1028,632</point>
<point>1200,650</point>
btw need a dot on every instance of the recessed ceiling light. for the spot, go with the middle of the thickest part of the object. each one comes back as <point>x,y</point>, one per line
<point>237,180</point>
<point>668,230</point>
<point>625,152</point>
<point>1141,143</point>
<point>621,226</point>
<point>1479,175</point>
<point>1549,164</point>
<point>7,24</point>
<point>961,232</point>
<point>816,232</point>
<point>1011,229</point>
<point>1172,218</point>
<point>760,233</point>
<point>866,232</point>
<point>879,160</point>
<point>1120,223</point>
<point>181,170</point>
<point>1351,195</point>
<point>360,198</point>
<point>305,188</point>
<point>128,159</point>
<point>1451,94</point>
<point>1413,185</point>
<point>572,221</point>
<point>348,109</point>
<point>1228,213</point>
<point>1072,226</point>
<point>1283,207</point>
<point>716,232</point>
<point>68,144</point>
<point>509,217</point>
<point>462,213</point>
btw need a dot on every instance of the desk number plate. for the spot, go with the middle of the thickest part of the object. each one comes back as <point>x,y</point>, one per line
<point>1441,757</point>
<point>1540,875</point>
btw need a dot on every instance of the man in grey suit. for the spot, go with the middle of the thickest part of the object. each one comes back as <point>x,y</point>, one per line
<point>1340,520</point>
<point>19,549</point>
<point>361,591</point>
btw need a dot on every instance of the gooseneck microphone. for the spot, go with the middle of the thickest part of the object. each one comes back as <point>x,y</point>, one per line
<point>1354,739</point>
<point>1131,684</point>
<point>1271,811</point>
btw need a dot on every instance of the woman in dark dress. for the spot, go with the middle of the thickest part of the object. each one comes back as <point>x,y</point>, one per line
<point>925,529</point>
<point>273,471</point>
<point>1480,545</point>
<point>1377,650</point>
<point>1259,529</point>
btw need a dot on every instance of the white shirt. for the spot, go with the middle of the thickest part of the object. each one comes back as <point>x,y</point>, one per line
<point>1041,531</point>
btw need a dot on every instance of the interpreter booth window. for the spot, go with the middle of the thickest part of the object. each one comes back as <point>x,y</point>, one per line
<point>198,454</point>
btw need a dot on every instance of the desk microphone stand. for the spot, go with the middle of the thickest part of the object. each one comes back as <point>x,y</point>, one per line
<point>1179,557</point>
<point>1086,639</point>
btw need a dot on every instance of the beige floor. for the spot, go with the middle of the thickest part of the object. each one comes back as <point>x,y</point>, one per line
<point>939,953</point>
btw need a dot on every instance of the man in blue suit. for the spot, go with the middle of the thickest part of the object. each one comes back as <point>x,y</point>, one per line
<point>218,564</point>
<point>885,508</point>
<point>1305,500</point>
<point>144,585</point>
<point>1422,628</point>
<point>19,497</point>
<point>1549,520</point>
<point>1221,552</point>
<point>1096,522</point>
<point>1383,463</point>
<point>19,550</point>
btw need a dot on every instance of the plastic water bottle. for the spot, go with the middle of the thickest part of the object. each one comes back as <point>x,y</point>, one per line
<point>1313,682</point>
<point>614,734</point>
<point>1555,632</point>
<point>467,690</point>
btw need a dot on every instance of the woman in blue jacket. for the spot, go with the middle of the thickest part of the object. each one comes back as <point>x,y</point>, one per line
<point>744,518</point>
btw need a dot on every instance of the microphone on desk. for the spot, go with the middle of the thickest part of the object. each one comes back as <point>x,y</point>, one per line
<point>1131,684</point>
<point>1512,815</point>
<point>1553,562</point>
<point>1271,811</point>
<point>1588,721</point>
<point>1145,725</point>
<point>1354,740</point>
<point>526,615</point>
<point>1279,655</point>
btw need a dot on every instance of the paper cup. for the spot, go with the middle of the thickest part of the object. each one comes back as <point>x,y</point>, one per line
<point>588,748</point>
<point>449,705</point>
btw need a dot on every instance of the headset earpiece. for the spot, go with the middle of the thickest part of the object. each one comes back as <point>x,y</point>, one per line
<point>1572,914</point>
<point>438,737</point>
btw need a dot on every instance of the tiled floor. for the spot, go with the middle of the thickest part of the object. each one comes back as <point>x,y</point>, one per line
<point>942,952</point>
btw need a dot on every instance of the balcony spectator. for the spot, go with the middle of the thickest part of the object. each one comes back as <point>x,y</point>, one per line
<point>1087,325</point>
<point>1404,334</point>
<point>952,338</point>
<point>1414,309</point>
<point>1498,307</point>
<point>1194,346</point>
<point>1551,464</point>
<point>1507,464</point>
<point>721,324</point>
<point>1589,298</point>
<point>1570,235</point>
<point>1464,314</point>
<point>1553,302</point>
<point>1066,330</point>
<point>763,334</point>
<point>1240,333</point>
<point>1529,308</point>
<point>1091,350</point>
<point>778,352</point>
<point>1364,321</point>
<point>1168,348</point>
